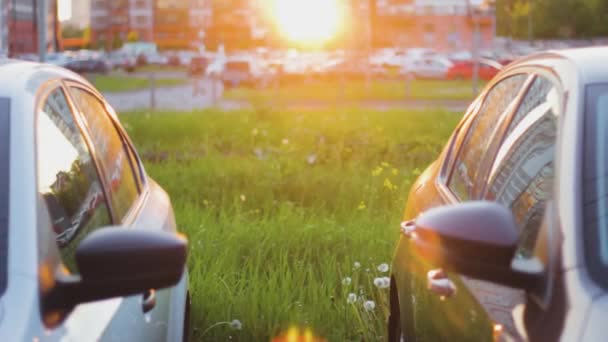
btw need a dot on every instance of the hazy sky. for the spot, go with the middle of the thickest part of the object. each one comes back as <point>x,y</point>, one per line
<point>65,9</point>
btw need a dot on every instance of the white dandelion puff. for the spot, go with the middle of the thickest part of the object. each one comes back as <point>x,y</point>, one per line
<point>357,265</point>
<point>382,282</point>
<point>352,298</point>
<point>346,281</point>
<point>369,305</point>
<point>311,159</point>
<point>383,267</point>
<point>236,324</point>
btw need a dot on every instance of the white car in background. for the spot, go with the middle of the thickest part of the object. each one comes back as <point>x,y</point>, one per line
<point>434,67</point>
<point>88,253</point>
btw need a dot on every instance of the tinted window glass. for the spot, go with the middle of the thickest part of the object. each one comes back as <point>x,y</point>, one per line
<point>595,182</point>
<point>4,188</point>
<point>480,134</point>
<point>67,178</point>
<point>522,174</point>
<point>111,152</point>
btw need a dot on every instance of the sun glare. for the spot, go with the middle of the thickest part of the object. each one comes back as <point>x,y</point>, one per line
<point>308,21</point>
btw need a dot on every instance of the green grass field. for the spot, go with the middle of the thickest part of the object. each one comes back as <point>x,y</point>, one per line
<point>280,206</point>
<point>121,83</point>
<point>358,91</point>
<point>157,68</point>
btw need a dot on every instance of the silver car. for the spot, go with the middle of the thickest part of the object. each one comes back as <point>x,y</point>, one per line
<point>88,244</point>
<point>505,235</point>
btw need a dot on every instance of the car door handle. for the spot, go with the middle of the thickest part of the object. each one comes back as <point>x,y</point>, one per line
<point>439,283</point>
<point>148,301</point>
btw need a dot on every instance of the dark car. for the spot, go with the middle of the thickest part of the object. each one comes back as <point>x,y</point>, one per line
<point>239,73</point>
<point>505,235</point>
<point>198,66</point>
<point>89,65</point>
<point>463,70</point>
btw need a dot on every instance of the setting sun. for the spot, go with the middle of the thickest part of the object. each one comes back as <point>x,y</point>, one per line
<point>308,21</point>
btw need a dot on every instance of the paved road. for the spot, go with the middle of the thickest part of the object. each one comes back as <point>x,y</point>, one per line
<point>170,98</point>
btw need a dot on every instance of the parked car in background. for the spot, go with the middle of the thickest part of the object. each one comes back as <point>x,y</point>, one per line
<point>463,70</point>
<point>59,58</point>
<point>198,65</point>
<point>88,65</point>
<point>240,72</point>
<point>427,68</point>
<point>75,204</point>
<point>122,60</point>
<point>505,234</point>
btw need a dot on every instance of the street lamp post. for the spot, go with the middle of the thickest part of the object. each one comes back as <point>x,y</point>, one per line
<point>472,13</point>
<point>42,34</point>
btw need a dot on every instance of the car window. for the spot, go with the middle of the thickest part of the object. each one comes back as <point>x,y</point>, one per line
<point>483,129</point>
<point>5,137</point>
<point>595,182</point>
<point>111,151</point>
<point>67,178</point>
<point>521,177</point>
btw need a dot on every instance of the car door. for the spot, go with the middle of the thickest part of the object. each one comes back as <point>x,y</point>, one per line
<point>461,318</point>
<point>89,177</point>
<point>521,178</point>
<point>135,203</point>
<point>75,202</point>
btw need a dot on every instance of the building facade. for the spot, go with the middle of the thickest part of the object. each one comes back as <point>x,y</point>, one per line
<point>81,14</point>
<point>113,21</point>
<point>19,26</point>
<point>168,23</point>
<point>444,25</point>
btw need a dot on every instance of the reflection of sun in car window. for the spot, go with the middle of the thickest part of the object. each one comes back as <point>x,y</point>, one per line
<point>58,146</point>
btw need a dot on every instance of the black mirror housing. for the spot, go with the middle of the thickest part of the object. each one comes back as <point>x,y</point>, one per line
<point>478,239</point>
<point>117,262</point>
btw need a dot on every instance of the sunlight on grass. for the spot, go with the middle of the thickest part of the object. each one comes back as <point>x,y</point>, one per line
<point>120,83</point>
<point>291,216</point>
<point>388,90</point>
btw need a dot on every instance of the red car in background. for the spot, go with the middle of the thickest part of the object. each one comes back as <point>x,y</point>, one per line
<point>464,70</point>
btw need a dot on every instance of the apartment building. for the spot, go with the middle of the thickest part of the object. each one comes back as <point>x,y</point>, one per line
<point>112,20</point>
<point>168,23</point>
<point>444,25</point>
<point>19,26</point>
<point>81,14</point>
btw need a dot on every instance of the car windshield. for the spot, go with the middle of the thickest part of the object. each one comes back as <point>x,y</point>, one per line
<point>596,180</point>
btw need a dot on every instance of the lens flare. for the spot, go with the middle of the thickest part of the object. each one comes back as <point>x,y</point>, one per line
<point>308,21</point>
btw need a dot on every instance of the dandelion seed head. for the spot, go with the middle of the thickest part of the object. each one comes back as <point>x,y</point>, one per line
<point>346,281</point>
<point>352,298</point>
<point>236,324</point>
<point>357,265</point>
<point>382,282</point>
<point>383,267</point>
<point>369,305</point>
<point>311,159</point>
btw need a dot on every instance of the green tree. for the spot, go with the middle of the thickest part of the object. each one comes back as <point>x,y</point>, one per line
<point>69,31</point>
<point>133,36</point>
<point>552,18</point>
<point>117,42</point>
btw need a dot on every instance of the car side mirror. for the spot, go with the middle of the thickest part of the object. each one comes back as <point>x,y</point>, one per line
<point>117,262</point>
<point>477,239</point>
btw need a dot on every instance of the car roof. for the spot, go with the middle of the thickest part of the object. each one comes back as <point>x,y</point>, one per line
<point>588,62</point>
<point>17,76</point>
